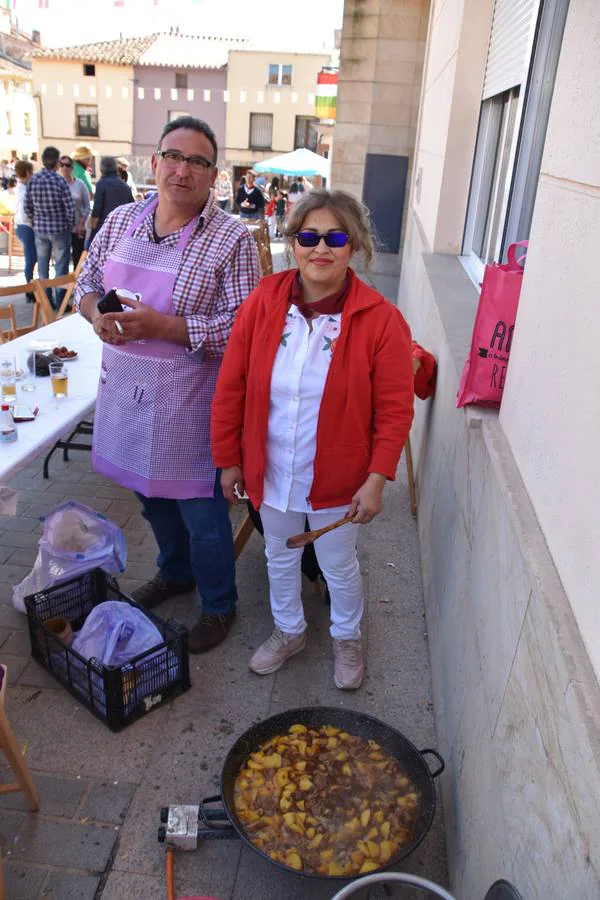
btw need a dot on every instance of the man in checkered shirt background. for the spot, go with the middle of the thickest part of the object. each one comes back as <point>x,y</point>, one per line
<point>51,210</point>
<point>190,265</point>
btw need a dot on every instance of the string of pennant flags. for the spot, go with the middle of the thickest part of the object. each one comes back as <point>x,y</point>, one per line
<point>174,94</point>
<point>116,4</point>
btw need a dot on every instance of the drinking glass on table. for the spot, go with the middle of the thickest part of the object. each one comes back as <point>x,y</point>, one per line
<point>29,374</point>
<point>8,377</point>
<point>59,379</point>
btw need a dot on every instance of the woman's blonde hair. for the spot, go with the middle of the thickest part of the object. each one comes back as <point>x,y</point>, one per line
<point>352,215</point>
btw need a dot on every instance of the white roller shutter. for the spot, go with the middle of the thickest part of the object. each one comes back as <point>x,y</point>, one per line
<point>510,45</point>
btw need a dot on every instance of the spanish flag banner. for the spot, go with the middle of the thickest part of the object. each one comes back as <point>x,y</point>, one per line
<point>326,96</point>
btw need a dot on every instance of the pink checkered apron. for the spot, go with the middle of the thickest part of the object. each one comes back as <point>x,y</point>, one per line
<point>151,431</point>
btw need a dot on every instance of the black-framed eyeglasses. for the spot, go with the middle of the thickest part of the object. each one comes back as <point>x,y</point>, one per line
<point>312,238</point>
<point>175,158</point>
<point>66,165</point>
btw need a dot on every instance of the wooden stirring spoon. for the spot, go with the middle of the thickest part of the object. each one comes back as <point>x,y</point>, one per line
<point>307,537</point>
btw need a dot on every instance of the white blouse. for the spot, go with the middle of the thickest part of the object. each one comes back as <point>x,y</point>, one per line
<point>297,384</point>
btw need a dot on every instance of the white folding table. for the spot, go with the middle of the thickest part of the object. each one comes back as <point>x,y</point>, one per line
<point>56,418</point>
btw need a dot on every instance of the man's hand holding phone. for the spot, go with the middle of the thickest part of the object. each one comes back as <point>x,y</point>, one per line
<point>124,318</point>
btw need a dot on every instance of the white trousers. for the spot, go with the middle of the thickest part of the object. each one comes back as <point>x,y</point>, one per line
<point>336,554</point>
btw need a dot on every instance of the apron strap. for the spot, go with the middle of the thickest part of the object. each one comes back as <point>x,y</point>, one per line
<point>185,234</point>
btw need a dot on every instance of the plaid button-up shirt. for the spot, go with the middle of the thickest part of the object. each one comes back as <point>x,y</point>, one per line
<point>219,269</point>
<point>48,203</point>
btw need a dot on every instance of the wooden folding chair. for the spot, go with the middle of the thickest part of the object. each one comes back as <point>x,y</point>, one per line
<point>13,754</point>
<point>7,314</point>
<point>28,288</point>
<point>69,292</point>
<point>16,760</point>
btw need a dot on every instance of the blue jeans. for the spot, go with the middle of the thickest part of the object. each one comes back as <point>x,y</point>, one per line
<point>58,246</point>
<point>27,238</point>
<point>195,543</point>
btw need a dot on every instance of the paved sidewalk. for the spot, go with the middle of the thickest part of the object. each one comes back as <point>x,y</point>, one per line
<point>95,835</point>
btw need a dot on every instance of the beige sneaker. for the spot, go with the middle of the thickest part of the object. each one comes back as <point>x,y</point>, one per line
<point>271,655</point>
<point>349,668</point>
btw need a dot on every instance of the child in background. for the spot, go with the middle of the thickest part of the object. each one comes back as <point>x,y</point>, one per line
<point>270,214</point>
<point>280,210</point>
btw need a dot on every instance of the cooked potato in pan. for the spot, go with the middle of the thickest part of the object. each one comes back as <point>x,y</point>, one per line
<point>324,801</point>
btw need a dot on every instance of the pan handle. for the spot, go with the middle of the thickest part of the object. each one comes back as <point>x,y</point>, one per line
<point>439,758</point>
<point>214,822</point>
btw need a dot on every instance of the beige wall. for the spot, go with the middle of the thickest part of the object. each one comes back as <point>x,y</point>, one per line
<point>381,65</point>
<point>509,508</point>
<point>16,98</point>
<point>452,89</point>
<point>57,110</point>
<point>248,72</point>
<point>550,410</point>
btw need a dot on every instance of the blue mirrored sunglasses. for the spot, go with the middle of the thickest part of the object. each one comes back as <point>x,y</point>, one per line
<point>331,238</point>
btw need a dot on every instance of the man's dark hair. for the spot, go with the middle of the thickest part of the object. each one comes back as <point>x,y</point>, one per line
<point>50,157</point>
<point>108,165</point>
<point>193,124</point>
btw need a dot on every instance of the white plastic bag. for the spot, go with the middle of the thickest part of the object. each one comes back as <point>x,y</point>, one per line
<point>75,540</point>
<point>114,633</point>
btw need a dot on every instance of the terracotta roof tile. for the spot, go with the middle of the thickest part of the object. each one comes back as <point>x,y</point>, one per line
<point>182,51</point>
<point>125,52</point>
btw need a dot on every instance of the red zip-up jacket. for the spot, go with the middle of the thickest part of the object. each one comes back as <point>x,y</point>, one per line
<point>367,404</point>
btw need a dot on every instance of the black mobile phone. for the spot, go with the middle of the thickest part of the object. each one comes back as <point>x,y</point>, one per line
<point>110,303</point>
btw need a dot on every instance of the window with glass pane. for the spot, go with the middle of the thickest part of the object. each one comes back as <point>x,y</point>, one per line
<point>305,133</point>
<point>279,74</point>
<point>261,131</point>
<point>181,80</point>
<point>512,129</point>
<point>492,172</point>
<point>87,121</point>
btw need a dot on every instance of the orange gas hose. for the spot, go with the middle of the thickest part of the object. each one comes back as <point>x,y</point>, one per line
<point>170,875</point>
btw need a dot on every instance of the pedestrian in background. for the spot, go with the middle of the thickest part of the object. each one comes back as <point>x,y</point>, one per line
<point>50,208</point>
<point>125,174</point>
<point>111,192</point>
<point>223,190</point>
<point>82,157</point>
<point>81,199</point>
<point>250,199</point>
<point>24,171</point>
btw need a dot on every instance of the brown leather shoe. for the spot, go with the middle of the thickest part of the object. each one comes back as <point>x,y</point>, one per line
<point>209,631</point>
<point>157,590</point>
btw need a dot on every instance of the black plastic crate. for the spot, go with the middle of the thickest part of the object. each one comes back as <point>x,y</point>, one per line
<point>118,695</point>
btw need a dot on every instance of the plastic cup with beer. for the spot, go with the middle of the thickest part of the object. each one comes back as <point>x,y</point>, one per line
<point>60,380</point>
<point>8,377</point>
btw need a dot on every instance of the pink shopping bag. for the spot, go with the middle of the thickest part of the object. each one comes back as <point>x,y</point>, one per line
<point>484,374</point>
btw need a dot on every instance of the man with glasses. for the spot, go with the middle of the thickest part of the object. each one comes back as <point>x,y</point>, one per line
<point>190,266</point>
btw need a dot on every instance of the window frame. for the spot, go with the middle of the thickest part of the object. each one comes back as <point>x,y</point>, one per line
<point>183,78</point>
<point>279,82</point>
<point>27,122</point>
<point>252,146</point>
<point>90,132</point>
<point>91,66</point>
<point>515,204</point>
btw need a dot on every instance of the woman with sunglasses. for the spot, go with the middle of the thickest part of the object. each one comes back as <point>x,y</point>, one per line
<point>81,199</point>
<point>313,405</point>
